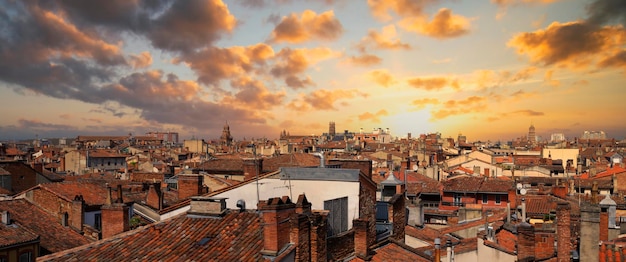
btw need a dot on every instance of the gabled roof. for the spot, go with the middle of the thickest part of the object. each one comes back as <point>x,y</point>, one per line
<point>94,194</point>
<point>290,160</point>
<point>235,237</point>
<point>15,234</point>
<point>54,237</point>
<point>463,184</point>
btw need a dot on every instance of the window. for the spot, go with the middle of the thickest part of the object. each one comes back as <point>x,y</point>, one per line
<point>457,199</point>
<point>485,199</point>
<point>98,221</point>
<point>498,199</point>
<point>338,215</point>
<point>26,257</point>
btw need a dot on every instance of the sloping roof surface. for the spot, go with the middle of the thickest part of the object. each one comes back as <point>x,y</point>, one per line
<point>327,174</point>
<point>234,237</point>
<point>54,236</point>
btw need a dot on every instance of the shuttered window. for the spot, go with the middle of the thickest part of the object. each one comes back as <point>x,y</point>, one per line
<point>338,215</point>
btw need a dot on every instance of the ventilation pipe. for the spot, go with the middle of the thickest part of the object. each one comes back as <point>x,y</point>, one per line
<point>321,156</point>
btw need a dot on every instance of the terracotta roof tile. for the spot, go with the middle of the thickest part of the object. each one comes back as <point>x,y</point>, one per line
<point>15,234</point>
<point>235,237</point>
<point>462,184</point>
<point>94,193</point>
<point>54,236</point>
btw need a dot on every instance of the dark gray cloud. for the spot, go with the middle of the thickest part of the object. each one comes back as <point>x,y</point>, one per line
<point>607,11</point>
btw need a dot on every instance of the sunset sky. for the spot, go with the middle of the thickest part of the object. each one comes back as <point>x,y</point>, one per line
<point>486,69</point>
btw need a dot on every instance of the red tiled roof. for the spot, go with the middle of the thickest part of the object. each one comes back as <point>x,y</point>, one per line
<point>235,237</point>
<point>615,170</point>
<point>230,164</point>
<point>54,236</point>
<point>93,193</point>
<point>423,184</point>
<point>462,184</point>
<point>290,160</point>
<point>396,252</point>
<point>540,204</point>
<point>496,186</point>
<point>15,234</point>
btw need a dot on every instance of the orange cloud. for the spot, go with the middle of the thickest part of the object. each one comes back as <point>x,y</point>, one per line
<point>373,117</point>
<point>214,64</point>
<point>521,94</point>
<point>322,99</point>
<point>471,104</point>
<point>574,45</point>
<point>309,26</point>
<point>66,40</point>
<point>443,25</point>
<point>404,8</point>
<point>422,103</point>
<point>142,60</point>
<point>526,112</point>
<point>382,77</point>
<point>484,79</point>
<point>503,3</point>
<point>434,83</point>
<point>364,60</point>
<point>254,95</point>
<point>291,62</point>
<point>548,79</point>
<point>384,40</point>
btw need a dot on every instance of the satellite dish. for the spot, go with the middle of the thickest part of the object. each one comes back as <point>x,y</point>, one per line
<point>519,186</point>
<point>414,167</point>
<point>523,191</point>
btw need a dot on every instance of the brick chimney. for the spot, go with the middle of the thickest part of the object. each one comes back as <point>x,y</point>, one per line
<point>525,242</point>
<point>397,216</point>
<point>563,231</point>
<point>76,218</point>
<point>115,219</point>
<point>319,230</point>
<point>303,206</point>
<point>275,213</point>
<point>190,185</point>
<point>361,247</point>
<point>299,235</point>
<point>154,196</point>
<point>252,167</point>
<point>559,191</point>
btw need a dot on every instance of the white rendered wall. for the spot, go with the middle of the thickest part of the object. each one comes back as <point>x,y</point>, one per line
<point>316,192</point>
